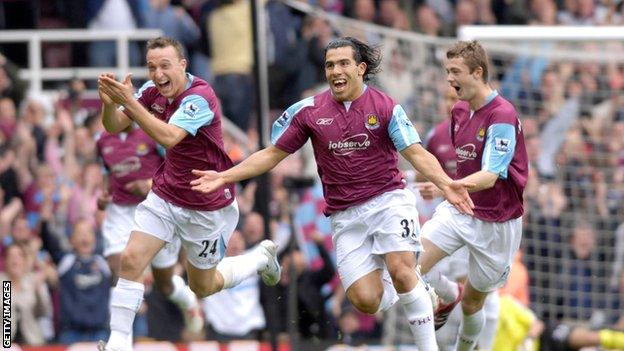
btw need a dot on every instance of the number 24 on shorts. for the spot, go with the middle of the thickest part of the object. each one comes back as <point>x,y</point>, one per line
<point>208,248</point>
<point>409,228</point>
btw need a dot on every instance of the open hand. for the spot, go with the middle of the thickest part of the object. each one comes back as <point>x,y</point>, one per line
<point>456,193</point>
<point>119,92</point>
<point>207,181</point>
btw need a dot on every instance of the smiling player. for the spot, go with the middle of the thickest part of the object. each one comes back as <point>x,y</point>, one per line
<point>357,133</point>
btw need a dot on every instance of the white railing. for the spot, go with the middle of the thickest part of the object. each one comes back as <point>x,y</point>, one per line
<point>36,74</point>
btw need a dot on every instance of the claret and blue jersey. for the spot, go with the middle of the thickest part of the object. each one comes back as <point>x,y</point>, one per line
<point>491,139</point>
<point>196,111</point>
<point>355,143</point>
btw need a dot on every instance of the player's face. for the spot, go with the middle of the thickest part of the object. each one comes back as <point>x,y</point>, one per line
<point>460,78</point>
<point>167,71</point>
<point>344,76</point>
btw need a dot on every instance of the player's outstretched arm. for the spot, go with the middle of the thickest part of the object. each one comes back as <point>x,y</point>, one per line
<point>114,120</point>
<point>258,163</point>
<point>455,192</point>
<point>482,180</point>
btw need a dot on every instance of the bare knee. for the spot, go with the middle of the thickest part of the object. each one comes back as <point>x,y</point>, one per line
<point>204,288</point>
<point>472,304</point>
<point>365,300</point>
<point>133,264</point>
<point>404,278</point>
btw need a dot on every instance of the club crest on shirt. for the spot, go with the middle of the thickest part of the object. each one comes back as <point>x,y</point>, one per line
<point>142,149</point>
<point>190,109</point>
<point>481,134</point>
<point>107,150</point>
<point>372,122</point>
<point>158,108</point>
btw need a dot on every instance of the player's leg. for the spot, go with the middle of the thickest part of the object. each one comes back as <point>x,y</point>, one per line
<point>174,288</point>
<point>491,247</point>
<point>414,297</point>
<point>473,319</point>
<point>153,228</point>
<point>491,310</point>
<point>127,295</point>
<point>205,235</point>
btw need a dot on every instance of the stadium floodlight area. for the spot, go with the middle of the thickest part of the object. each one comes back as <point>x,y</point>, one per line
<point>567,84</point>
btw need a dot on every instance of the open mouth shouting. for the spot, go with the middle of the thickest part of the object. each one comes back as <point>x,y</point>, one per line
<point>339,85</point>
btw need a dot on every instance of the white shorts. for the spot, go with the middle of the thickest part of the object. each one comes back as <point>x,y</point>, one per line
<point>204,234</point>
<point>491,245</point>
<point>116,227</point>
<point>362,233</point>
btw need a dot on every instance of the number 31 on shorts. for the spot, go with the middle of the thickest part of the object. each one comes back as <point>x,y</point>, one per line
<point>410,228</point>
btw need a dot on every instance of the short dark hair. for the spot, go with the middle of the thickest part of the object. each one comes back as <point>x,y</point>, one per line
<point>163,42</point>
<point>361,53</point>
<point>474,56</point>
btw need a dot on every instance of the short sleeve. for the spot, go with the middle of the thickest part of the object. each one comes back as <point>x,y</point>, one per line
<point>288,132</point>
<point>401,130</point>
<point>193,113</point>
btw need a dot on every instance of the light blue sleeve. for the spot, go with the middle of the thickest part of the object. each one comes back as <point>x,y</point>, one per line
<point>283,122</point>
<point>500,145</point>
<point>192,114</point>
<point>401,130</point>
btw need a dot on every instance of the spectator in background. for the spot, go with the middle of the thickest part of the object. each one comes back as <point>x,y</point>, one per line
<point>426,21</point>
<point>235,314</point>
<point>11,85</point>
<point>113,15</point>
<point>313,320</point>
<point>230,31</point>
<point>84,284</point>
<point>174,21</point>
<point>29,297</point>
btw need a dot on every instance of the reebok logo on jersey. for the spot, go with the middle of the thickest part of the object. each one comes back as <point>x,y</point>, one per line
<point>158,108</point>
<point>324,121</point>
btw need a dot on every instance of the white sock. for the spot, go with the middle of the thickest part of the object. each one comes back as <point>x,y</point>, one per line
<point>389,297</point>
<point>446,289</point>
<point>182,295</point>
<point>419,313</point>
<point>130,335</point>
<point>490,310</point>
<point>469,331</point>
<point>126,299</point>
<point>235,269</point>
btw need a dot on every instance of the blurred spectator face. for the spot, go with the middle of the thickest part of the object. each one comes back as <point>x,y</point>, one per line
<point>427,20</point>
<point>5,82</point>
<point>364,10</point>
<point>293,260</point>
<point>253,229</point>
<point>33,112</point>
<point>546,12</point>
<point>45,177</point>
<point>8,112</point>
<point>585,8</point>
<point>388,10</point>
<point>15,264</point>
<point>465,13</point>
<point>167,70</point>
<point>236,245</point>
<point>83,238</point>
<point>583,242</point>
<point>20,231</point>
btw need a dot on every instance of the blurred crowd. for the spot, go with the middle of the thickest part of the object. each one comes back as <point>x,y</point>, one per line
<point>572,113</point>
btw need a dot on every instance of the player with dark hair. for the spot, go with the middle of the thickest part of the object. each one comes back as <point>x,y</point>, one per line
<point>357,133</point>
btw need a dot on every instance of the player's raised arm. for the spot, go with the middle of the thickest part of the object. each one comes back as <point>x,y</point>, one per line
<point>258,163</point>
